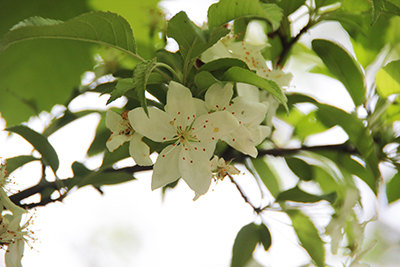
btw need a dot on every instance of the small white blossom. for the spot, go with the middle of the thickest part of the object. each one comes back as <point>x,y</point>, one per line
<point>121,132</point>
<point>191,139</point>
<point>249,115</point>
<point>221,169</point>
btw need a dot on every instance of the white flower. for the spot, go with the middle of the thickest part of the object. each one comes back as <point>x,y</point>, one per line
<point>248,113</point>
<point>121,132</point>
<point>14,237</point>
<point>192,139</point>
<point>221,169</point>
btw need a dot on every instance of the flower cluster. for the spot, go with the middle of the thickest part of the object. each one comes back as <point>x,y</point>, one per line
<point>189,128</point>
<point>12,235</point>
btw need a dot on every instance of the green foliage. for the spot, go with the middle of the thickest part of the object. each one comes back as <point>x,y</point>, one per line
<point>246,241</point>
<point>40,143</point>
<point>388,79</point>
<point>226,10</point>
<point>236,74</point>
<point>308,236</point>
<point>191,39</point>
<point>393,188</point>
<point>297,195</point>
<point>343,66</point>
<point>261,168</point>
<point>140,76</point>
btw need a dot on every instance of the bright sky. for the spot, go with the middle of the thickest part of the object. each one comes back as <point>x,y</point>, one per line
<point>130,225</point>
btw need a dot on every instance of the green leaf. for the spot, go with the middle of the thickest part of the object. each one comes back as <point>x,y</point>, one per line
<point>236,74</point>
<point>300,168</point>
<point>393,188</point>
<point>83,176</point>
<point>99,27</point>
<point>264,236</point>
<point>246,241</point>
<point>308,236</point>
<point>343,66</point>
<point>377,7</point>
<point>16,162</point>
<point>261,169</point>
<point>140,76</point>
<point>223,64</point>
<point>121,88</point>
<point>297,195</point>
<point>358,135</point>
<point>203,81</point>
<point>40,143</point>
<point>388,79</point>
<point>227,10</point>
<point>191,39</point>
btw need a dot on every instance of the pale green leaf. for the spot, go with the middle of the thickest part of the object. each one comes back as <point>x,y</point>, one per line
<point>308,236</point>
<point>388,79</point>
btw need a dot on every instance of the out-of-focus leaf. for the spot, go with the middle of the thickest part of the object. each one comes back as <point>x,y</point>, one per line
<point>377,7</point>
<point>343,66</point>
<point>320,3</point>
<point>40,143</point>
<point>261,169</point>
<point>290,6</point>
<point>358,135</point>
<point>83,176</point>
<point>393,188</point>
<point>16,162</point>
<point>227,10</point>
<point>140,77</point>
<point>300,168</point>
<point>297,195</point>
<point>388,79</point>
<point>236,74</point>
<point>191,39</point>
<point>246,241</point>
<point>308,236</point>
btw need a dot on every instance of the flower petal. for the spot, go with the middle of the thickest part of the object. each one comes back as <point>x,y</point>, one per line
<point>195,167</point>
<point>139,150</point>
<point>247,112</point>
<point>180,104</point>
<point>242,140</point>
<point>159,126</point>
<point>201,107</point>
<point>212,127</point>
<point>218,97</point>
<point>116,140</point>
<point>113,121</point>
<point>166,168</point>
<point>14,253</point>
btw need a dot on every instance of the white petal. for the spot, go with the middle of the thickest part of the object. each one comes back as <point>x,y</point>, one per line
<point>247,112</point>
<point>166,168</point>
<point>14,253</point>
<point>217,97</point>
<point>195,168</point>
<point>242,140</point>
<point>159,126</point>
<point>113,121</point>
<point>180,104</point>
<point>116,140</point>
<point>201,107</point>
<point>250,92</point>
<point>139,150</point>
<point>212,127</point>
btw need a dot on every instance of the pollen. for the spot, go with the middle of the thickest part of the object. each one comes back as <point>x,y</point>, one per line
<point>216,130</point>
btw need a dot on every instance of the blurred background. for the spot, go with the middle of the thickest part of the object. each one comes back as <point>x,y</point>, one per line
<point>130,225</point>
